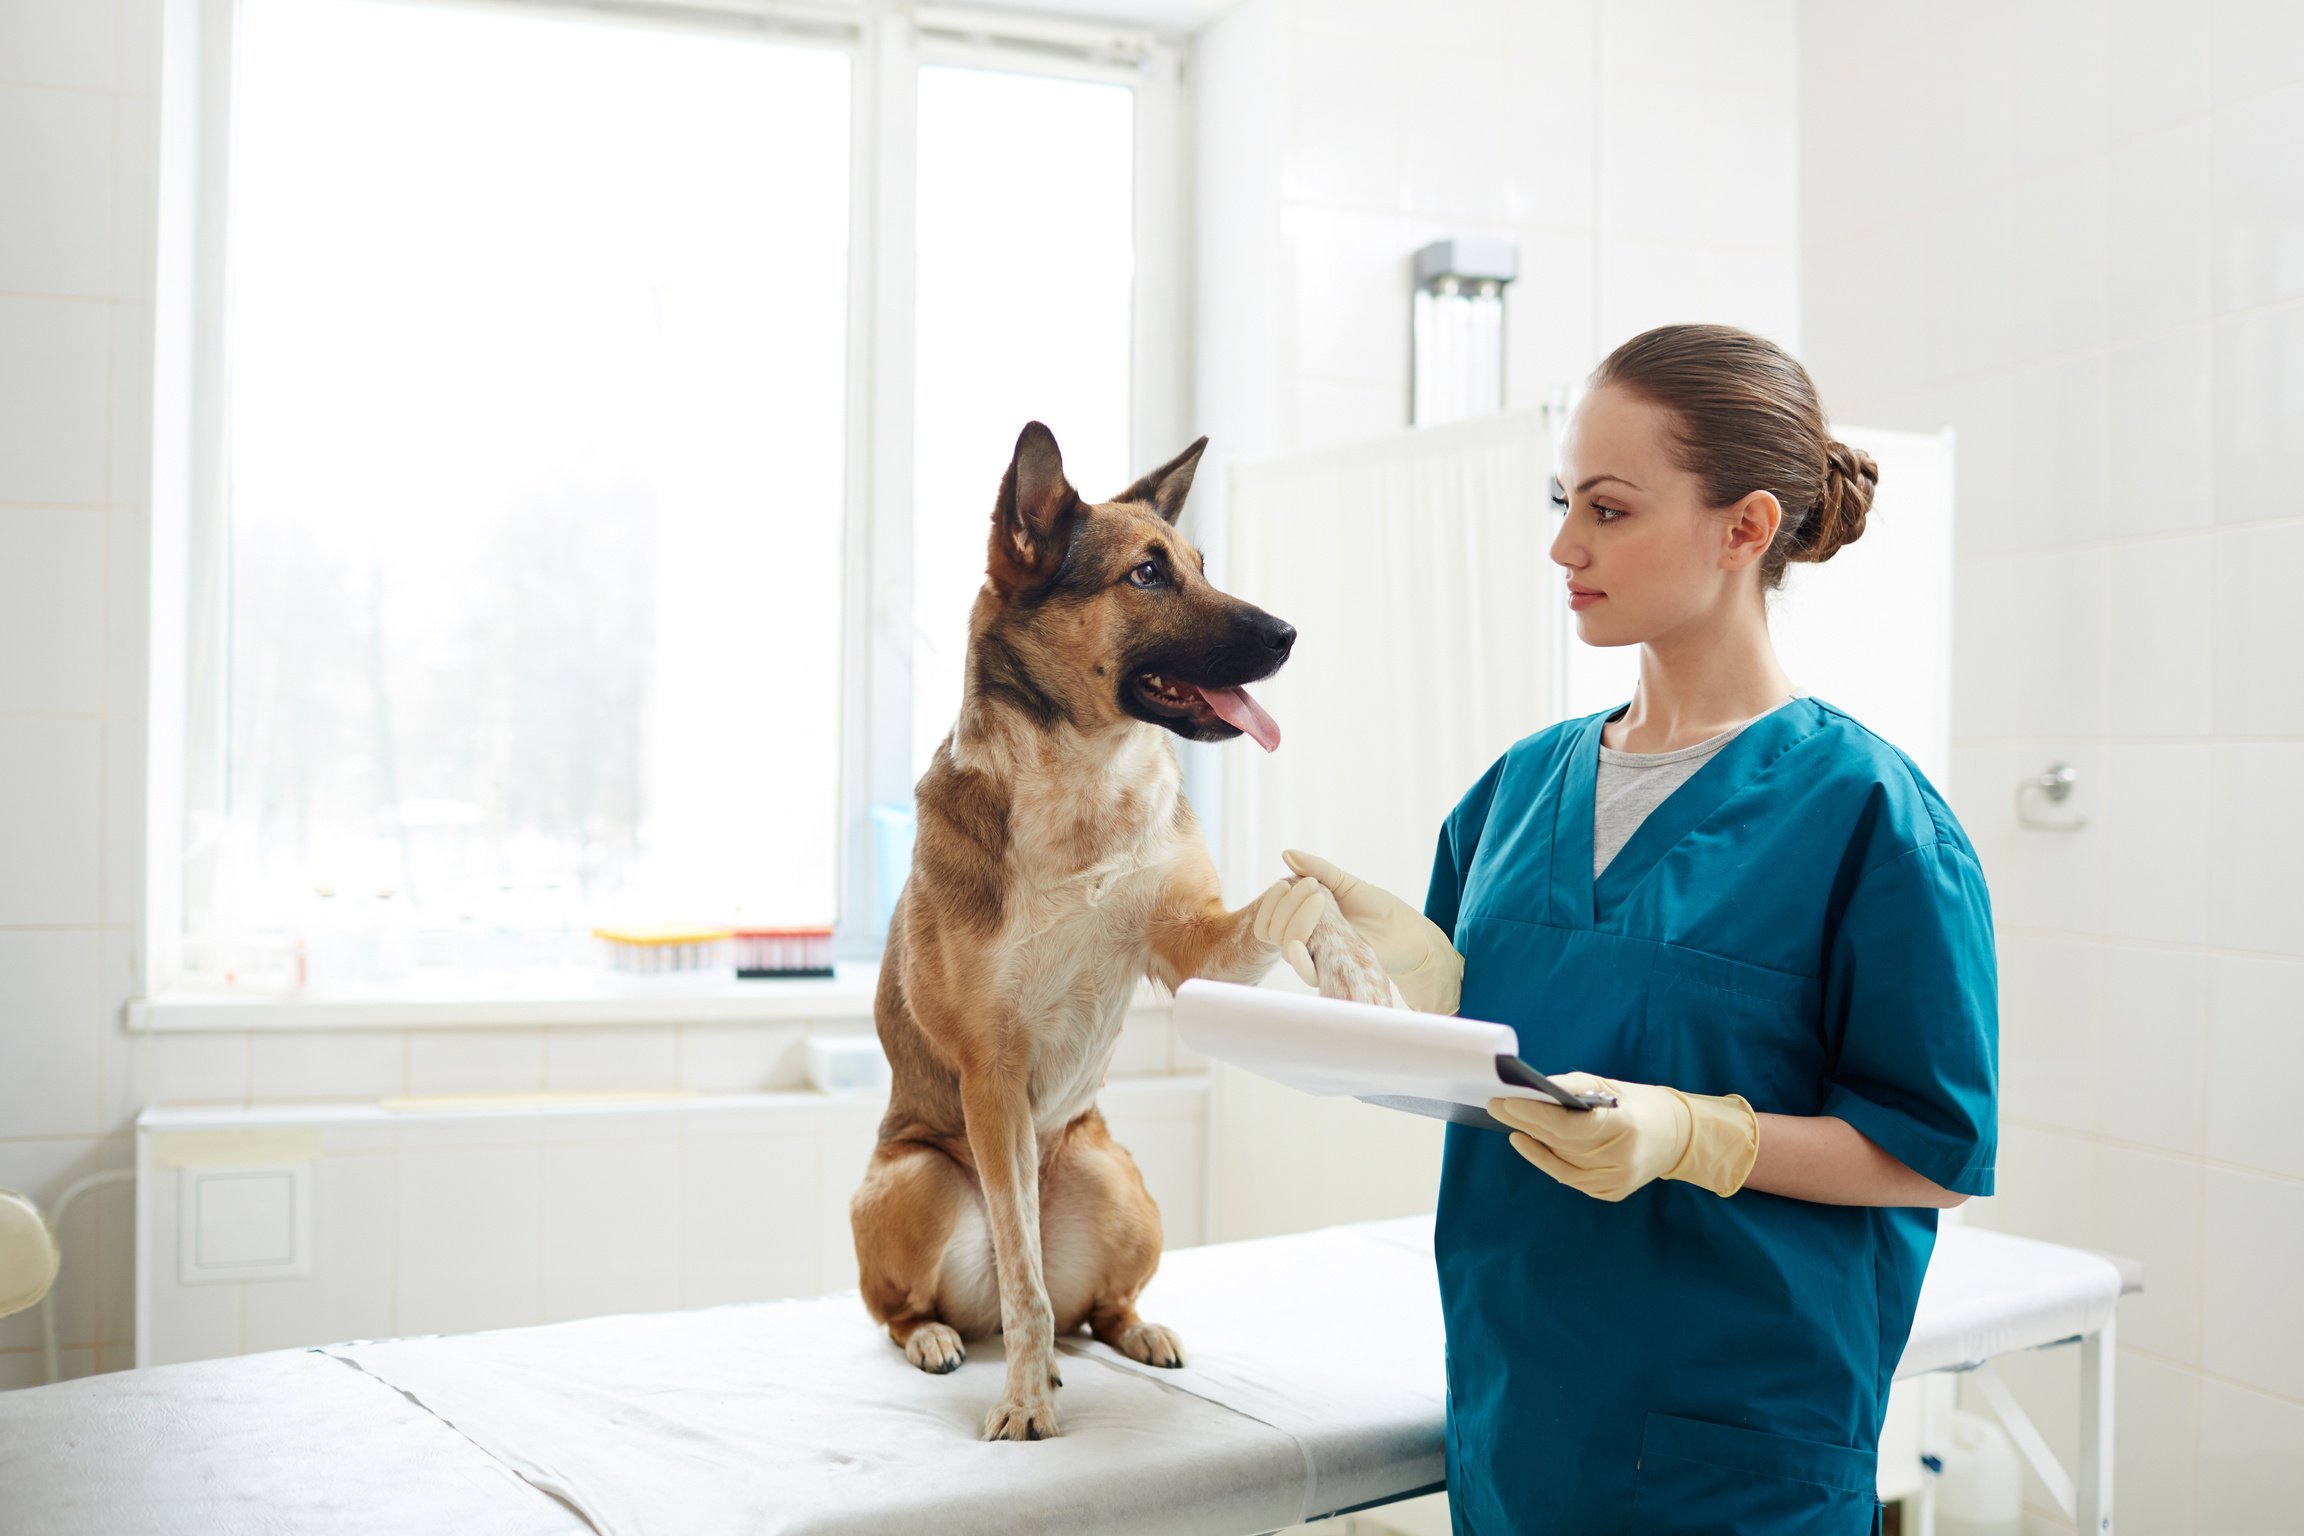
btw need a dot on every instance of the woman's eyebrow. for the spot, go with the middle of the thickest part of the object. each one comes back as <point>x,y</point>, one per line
<point>1596,479</point>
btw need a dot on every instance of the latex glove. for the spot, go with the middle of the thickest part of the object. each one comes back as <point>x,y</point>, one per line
<point>1426,969</point>
<point>1286,915</point>
<point>1653,1133</point>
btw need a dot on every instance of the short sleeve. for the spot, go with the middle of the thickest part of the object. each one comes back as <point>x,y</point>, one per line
<point>1459,838</point>
<point>1911,986</point>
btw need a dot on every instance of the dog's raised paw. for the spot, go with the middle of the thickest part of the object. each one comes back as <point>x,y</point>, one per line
<point>1022,1419</point>
<point>1345,964</point>
<point>1154,1345</point>
<point>935,1348</point>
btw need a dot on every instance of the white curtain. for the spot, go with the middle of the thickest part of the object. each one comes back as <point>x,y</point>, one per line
<point>1413,567</point>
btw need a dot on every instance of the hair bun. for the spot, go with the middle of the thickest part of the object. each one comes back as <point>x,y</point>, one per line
<point>1850,477</point>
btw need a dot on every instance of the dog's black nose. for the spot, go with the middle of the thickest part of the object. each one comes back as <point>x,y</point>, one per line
<point>1279,634</point>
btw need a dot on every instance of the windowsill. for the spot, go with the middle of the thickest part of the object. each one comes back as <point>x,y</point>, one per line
<point>846,995</point>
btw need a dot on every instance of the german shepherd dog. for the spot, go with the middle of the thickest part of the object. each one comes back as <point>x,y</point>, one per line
<point>1057,861</point>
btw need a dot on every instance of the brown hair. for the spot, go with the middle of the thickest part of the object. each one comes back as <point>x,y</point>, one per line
<point>1748,420</point>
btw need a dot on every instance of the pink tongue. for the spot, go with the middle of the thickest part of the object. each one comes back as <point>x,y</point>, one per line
<point>1244,713</point>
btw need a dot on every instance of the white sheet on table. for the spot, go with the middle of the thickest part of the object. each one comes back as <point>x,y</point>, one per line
<point>282,1442</point>
<point>1987,1293</point>
<point>1314,1383</point>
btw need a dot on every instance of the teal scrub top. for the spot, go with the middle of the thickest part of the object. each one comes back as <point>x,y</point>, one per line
<point>1802,922</point>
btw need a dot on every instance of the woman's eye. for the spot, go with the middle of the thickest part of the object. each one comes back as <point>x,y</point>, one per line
<point>1606,514</point>
<point>1560,503</point>
<point>1145,575</point>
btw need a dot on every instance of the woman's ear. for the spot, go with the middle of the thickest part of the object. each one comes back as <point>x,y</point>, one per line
<point>1751,527</point>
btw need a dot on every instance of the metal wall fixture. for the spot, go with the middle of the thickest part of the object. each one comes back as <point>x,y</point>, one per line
<point>2056,783</point>
<point>1457,326</point>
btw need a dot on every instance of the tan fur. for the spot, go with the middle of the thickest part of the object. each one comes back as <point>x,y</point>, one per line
<point>1056,862</point>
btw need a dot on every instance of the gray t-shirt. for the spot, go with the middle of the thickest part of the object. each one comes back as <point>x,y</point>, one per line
<point>1634,783</point>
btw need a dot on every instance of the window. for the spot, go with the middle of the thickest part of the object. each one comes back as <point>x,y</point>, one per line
<point>600,388</point>
<point>1025,260</point>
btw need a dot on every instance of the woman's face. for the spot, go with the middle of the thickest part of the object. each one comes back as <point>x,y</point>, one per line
<point>1644,557</point>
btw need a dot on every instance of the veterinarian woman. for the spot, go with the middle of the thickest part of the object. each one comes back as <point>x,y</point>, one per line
<point>1765,933</point>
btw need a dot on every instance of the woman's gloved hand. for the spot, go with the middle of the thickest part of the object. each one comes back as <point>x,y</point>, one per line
<point>1286,914</point>
<point>1653,1133</point>
<point>1416,954</point>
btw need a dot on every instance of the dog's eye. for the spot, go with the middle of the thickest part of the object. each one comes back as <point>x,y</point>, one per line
<point>1146,575</point>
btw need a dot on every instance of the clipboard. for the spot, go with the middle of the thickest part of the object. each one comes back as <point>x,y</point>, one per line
<point>1422,1064</point>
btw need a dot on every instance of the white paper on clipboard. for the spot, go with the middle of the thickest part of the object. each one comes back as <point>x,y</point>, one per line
<point>1424,1063</point>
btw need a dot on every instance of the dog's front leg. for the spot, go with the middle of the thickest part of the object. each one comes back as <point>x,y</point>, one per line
<point>997,1102</point>
<point>1193,935</point>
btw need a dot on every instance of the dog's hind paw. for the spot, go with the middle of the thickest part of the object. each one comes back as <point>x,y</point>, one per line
<point>1022,1419</point>
<point>935,1348</point>
<point>1152,1344</point>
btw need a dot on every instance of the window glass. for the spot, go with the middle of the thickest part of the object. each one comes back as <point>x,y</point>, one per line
<point>1026,261</point>
<point>537,349</point>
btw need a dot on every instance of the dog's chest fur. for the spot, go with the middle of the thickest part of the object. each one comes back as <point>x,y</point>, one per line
<point>1090,846</point>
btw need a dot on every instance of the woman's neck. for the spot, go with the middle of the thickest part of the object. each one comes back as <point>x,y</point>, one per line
<point>1694,686</point>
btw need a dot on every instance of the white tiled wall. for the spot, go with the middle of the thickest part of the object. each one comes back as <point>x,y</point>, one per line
<point>77,148</point>
<point>443,1222</point>
<point>1639,153</point>
<point>2071,230</point>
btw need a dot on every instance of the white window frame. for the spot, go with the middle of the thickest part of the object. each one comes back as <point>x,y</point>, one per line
<point>887,41</point>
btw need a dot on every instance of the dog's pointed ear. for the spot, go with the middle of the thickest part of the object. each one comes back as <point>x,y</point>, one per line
<point>1166,487</point>
<point>1032,523</point>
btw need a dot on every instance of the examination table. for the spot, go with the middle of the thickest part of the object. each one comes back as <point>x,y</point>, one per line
<point>1313,1386</point>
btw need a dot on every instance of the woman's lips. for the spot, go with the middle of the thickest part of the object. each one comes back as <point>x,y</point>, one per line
<point>1582,597</point>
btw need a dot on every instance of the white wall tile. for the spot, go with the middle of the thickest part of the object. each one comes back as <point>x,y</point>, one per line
<point>1986,620</point>
<point>51,611</point>
<point>188,1068</point>
<point>136,51</point>
<point>57,42</point>
<point>2255,45</point>
<point>2258,199</point>
<point>1347,144</point>
<point>741,1058</point>
<point>127,619</point>
<point>2048,1014</point>
<point>2251,1479</point>
<point>2053,880</point>
<point>2259,631</point>
<point>2157,231</point>
<point>48,1035</point>
<point>2256,845</point>
<point>2152,814</point>
<point>2255,1058</point>
<point>56,183</point>
<point>748,1213</point>
<point>2150,1050</point>
<point>588,1057</point>
<point>122,865</point>
<point>349,1293</point>
<point>1324,412</point>
<point>611,1237</point>
<point>2158,64</point>
<point>2160,612</point>
<point>135,198</point>
<point>2157,479</point>
<point>469,1229</point>
<point>848,1132</point>
<point>1646,283</point>
<point>2258,384</point>
<point>1550,129</point>
<point>1349,292</point>
<point>51,785</point>
<point>2155,1433</point>
<point>2030,460</point>
<point>2252,1250</point>
<point>2151,1213</point>
<point>1456,93</point>
<point>347,1064</point>
<point>130,470</point>
<point>2059,660</point>
<point>475,1061</point>
<point>1549,317</point>
<point>55,356</point>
